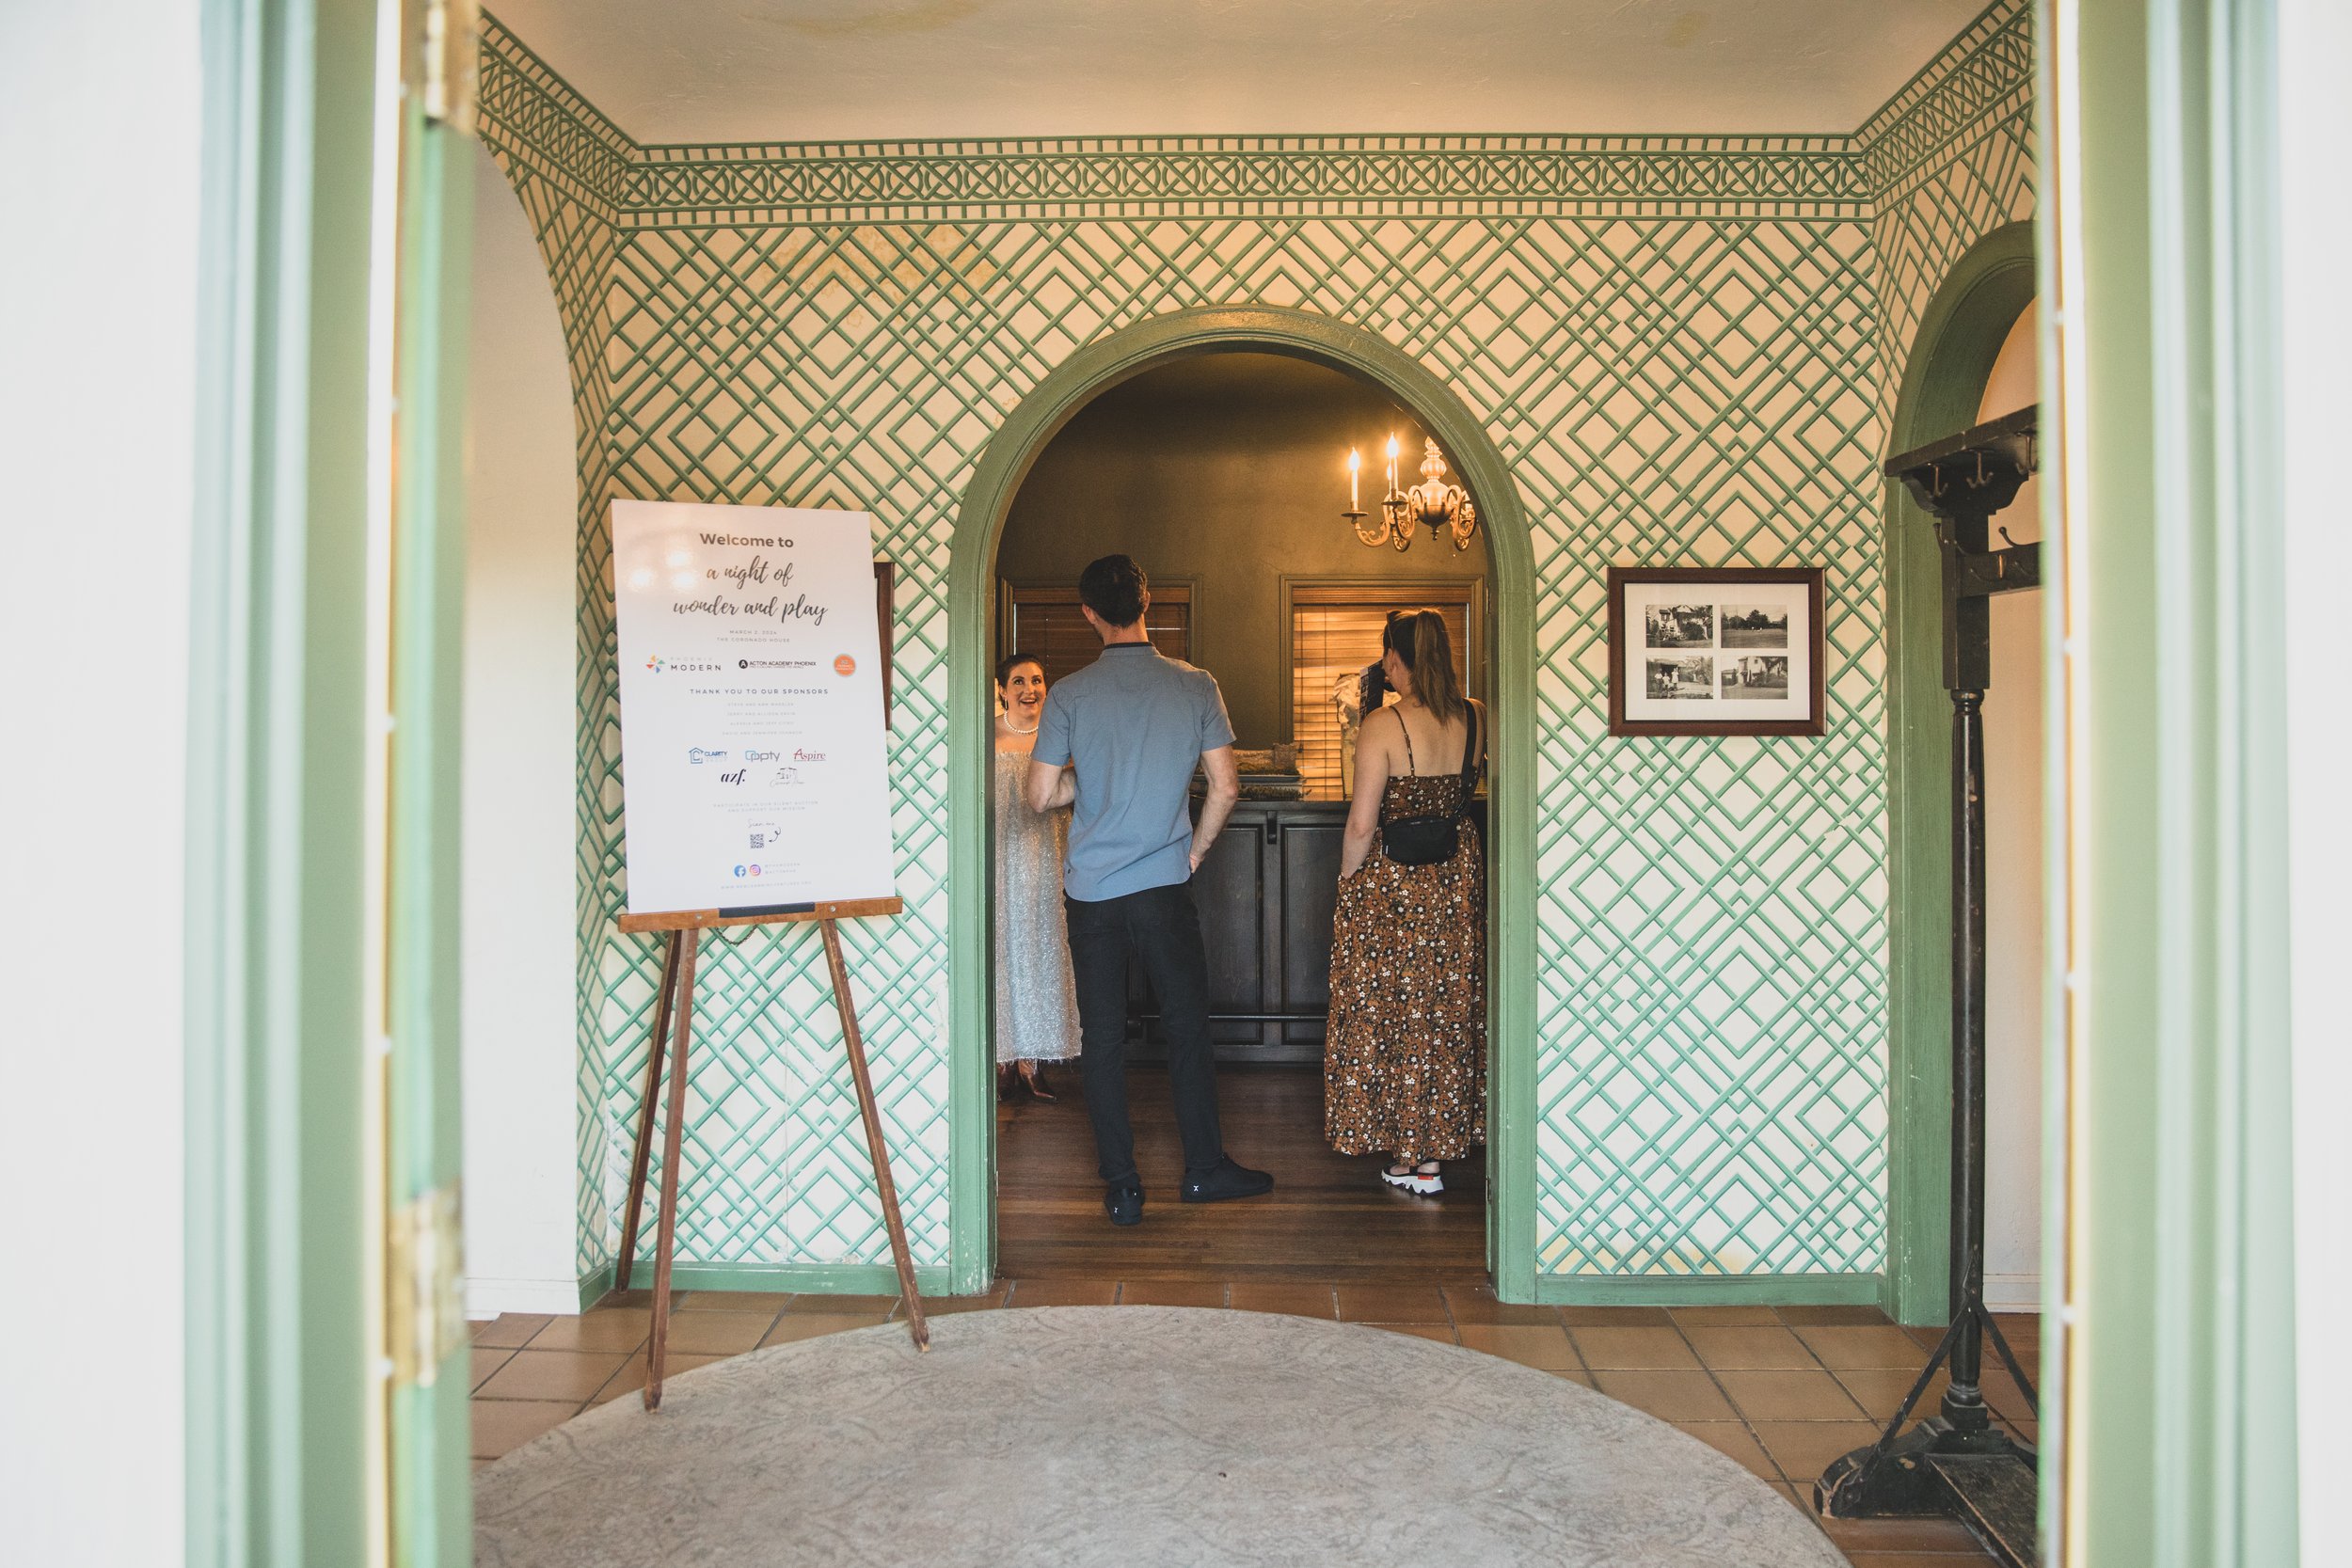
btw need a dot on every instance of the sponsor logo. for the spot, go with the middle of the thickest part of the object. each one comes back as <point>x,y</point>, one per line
<point>786,776</point>
<point>798,755</point>
<point>704,666</point>
<point>755,754</point>
<point>700,754</point>
<point>656,664</point>
<point>735,777</point>
<point>776,664</point>
<point>844,665</point>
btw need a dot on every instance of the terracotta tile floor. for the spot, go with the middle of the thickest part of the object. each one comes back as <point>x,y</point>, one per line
<point>1783,1391</point>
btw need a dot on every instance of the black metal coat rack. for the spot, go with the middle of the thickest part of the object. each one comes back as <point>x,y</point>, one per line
<point>1958,1463</point>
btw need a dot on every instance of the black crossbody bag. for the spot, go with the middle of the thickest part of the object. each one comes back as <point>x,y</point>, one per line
<point>1428,839</point>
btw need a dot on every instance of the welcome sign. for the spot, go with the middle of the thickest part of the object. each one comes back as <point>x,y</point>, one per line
<point>754,772</point>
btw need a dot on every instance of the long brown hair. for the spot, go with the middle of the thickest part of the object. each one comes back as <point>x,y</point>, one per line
<point>1418,637</point>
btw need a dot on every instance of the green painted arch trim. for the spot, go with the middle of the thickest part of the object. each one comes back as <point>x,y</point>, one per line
<point>1510,949</point>
<point>1952,358</point>
<point>1961,335</point>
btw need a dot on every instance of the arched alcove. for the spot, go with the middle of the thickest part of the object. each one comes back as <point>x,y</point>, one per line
<point>979,524</point>
<point>1952,355</point>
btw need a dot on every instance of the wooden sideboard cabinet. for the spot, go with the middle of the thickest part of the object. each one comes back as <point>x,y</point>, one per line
<point>1266,894</point>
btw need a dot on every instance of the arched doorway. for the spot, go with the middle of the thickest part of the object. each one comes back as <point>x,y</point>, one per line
<point>1952,357</point>
<point>986,502</point>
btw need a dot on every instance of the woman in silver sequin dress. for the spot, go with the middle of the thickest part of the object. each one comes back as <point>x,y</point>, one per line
<point>1037,1000</point>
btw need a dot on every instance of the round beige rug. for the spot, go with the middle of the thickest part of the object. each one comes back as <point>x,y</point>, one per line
<point>1087,1437</point>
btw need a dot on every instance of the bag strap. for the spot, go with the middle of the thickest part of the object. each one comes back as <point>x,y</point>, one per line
<point>1407,731</point>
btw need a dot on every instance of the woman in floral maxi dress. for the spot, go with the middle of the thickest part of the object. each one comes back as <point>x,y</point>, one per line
<point>1405,1058</point>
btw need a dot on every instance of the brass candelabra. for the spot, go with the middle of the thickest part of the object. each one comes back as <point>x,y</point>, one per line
<point>1446,507</point>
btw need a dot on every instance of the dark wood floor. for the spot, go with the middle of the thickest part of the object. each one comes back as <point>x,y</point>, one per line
<point>1328,1217</point>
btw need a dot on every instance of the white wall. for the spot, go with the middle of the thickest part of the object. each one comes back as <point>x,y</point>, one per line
<point>2316,39</point>
<point>97,410</point>
<point>2012,890</point>
<point>520,1043</point>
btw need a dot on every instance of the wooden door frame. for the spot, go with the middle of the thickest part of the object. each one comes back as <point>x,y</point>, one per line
<point>1511,948</point>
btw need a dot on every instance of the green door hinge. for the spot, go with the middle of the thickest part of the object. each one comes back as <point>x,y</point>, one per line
<point>425,1315</point>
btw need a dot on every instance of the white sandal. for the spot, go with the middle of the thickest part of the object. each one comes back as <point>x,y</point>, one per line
<point>1421,1184</point>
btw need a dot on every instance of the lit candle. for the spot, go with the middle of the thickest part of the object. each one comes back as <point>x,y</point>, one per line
<point>1391,465</point>
<point>1354,462</point>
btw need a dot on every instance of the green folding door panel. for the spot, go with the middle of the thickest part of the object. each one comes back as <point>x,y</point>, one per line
<point>1677,344</point>
<point>279,1451</point>
<point>430,1437</point>
<point>2179,1334</point>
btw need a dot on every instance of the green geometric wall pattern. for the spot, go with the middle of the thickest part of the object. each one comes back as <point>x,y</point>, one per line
<point>1685,348</point>
<point>1950,158</point>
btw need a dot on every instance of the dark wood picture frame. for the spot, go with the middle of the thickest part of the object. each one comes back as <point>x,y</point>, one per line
<point>1716,579</point>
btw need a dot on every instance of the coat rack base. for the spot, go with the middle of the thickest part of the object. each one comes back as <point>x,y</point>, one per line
<point>1986,1479</point>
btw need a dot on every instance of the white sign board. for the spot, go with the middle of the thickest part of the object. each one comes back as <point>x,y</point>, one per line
<point>752,761</point>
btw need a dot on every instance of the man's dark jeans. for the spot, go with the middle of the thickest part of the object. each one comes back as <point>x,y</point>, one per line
<point>1161,928</point>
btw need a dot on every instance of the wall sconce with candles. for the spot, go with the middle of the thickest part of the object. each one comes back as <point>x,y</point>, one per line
<point>1446,507</point>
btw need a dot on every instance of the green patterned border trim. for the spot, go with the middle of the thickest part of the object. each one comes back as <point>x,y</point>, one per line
<point>1983,77</point>
<point>530,111</point>
<point>1254,176</point>
<point>531,114</point>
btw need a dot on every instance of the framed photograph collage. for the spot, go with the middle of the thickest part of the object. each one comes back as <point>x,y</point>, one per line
<point>1715,651</point>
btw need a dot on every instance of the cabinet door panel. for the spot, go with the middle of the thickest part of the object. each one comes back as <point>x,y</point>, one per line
<point>1310,871</point>
<point>1231,890</point>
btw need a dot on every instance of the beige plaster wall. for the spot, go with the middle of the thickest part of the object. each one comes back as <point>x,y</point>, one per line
<point>519,1044</point>
<point>2014,950</point>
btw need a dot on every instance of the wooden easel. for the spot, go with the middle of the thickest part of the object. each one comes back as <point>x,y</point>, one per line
<point>677,986</point>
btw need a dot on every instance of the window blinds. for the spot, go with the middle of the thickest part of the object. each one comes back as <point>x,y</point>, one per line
<point>1331,641</point>
<point>1047,622</point>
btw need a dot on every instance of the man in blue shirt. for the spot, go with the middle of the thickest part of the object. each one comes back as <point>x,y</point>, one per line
<point>1118,743</point>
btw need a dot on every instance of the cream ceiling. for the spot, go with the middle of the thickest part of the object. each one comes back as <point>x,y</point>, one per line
<point>711,71</point>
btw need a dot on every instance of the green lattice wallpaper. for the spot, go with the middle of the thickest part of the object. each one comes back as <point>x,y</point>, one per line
<point>1950,158</point>
<point>1678,345</point>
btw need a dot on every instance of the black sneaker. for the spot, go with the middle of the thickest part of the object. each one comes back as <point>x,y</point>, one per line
<point>1225,1180</point>
<point>1123,1202</point>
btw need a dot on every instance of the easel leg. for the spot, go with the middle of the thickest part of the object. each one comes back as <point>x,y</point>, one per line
<point>672,1131</point>
<point>872,1114</point>
<point>644,1109</point>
